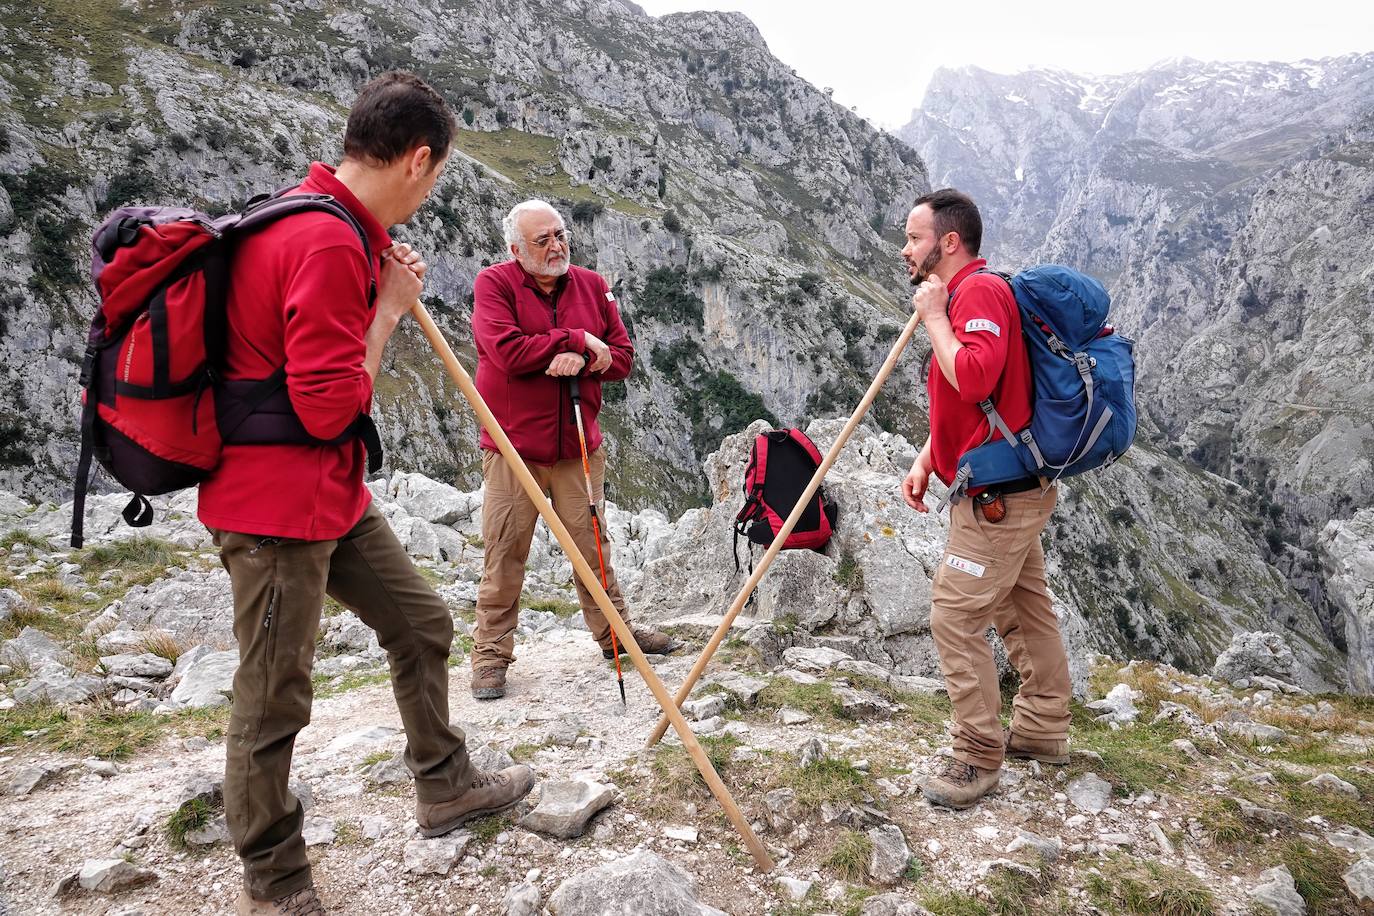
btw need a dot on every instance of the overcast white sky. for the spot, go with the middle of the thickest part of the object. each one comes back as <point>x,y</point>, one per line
<point>878,55</point>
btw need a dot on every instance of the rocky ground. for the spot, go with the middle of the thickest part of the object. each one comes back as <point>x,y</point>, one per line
<point>1185,794</point>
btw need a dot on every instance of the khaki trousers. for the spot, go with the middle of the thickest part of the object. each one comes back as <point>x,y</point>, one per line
<point>994,575</point>
<point>508,519</point>
<point>279,586</point>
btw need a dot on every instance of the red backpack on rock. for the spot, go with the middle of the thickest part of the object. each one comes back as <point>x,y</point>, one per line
<point>781,464</point>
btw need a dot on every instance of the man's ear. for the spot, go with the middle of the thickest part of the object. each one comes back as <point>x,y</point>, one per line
<point>421,161</point>
<point>950,243</point>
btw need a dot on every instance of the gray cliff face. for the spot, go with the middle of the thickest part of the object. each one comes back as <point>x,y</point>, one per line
<point>1227,208</point>
<point>746,222</point>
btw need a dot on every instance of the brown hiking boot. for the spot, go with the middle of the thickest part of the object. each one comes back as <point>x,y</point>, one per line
<point>1046,750</point>
<point>302,903</point>
<point>960,785</point>
<point>651,642</point>
<point>490,793</point>
<point>489,682</point>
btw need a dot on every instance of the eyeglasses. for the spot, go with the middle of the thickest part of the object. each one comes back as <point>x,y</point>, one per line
<point>544,241</point>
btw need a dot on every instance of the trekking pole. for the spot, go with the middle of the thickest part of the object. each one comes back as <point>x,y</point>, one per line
<point>690,744</point>
<point>805,500</point>
<point>575,390</point>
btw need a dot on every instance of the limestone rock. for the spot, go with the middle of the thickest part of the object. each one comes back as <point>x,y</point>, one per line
<point>1090,793</point>
<point>1328,782</point>
<point>434,856</point>
<point>54,683</point>
<point>892,904</point>
<point>1277,893</point>
<point>1359,880</point>
<point>110,876</point>
<point>33,648</point>
<point>1255,653</point>
<point>639,883</point>
<point>890,856</point>
<point>521,900</point>
<point>565,806</point>
<point>207,683</point>
<point>143,665</point>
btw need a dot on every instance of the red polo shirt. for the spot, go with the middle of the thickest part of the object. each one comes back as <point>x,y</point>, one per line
<point>992,363</point>
<point>298,297</point>
<point>518,331</point>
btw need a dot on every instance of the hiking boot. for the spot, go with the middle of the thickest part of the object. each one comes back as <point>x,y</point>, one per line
<point>302,903</point>
<point>651,642</point>
<point>960,785</point>
<point>1045,750</point>
<point>491,792</point>
<point>489,682</point>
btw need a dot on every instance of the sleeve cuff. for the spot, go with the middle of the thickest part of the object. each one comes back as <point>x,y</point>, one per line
<point>577,340</point>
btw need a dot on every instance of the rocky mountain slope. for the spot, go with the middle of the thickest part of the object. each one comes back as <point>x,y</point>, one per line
<point>1227,208</point>
<point>736,210</point>
<point>1188,794</point>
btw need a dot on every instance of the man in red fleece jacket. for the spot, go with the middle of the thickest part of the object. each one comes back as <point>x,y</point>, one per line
<point>541,325</point>
<point>294,522</point>
<point>993,572</point>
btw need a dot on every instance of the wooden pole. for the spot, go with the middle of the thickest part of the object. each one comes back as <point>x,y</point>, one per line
<point>738,604</point>
<point>588,577</point>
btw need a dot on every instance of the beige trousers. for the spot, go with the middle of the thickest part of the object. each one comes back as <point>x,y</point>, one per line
<point>508,519</point>
<point>994,575</point>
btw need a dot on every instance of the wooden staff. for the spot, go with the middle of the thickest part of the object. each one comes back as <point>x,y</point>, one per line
<point>584,572</point>
<point>742,598</point>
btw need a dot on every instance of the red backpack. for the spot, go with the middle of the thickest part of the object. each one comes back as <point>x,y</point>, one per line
<point>156,412</point>
<point>781,464</point>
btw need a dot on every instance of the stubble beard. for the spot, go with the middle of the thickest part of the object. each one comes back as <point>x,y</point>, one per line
<point>926,267</point>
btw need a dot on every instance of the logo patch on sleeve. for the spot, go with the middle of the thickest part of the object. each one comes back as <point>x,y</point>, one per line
<point>973,569</point>
<point>610,296</point>
<point>983,324</point>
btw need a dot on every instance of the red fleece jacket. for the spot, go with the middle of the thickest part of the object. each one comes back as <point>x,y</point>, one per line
<point>518,331</point>
<point>992,363</point>
<point>298,297</point>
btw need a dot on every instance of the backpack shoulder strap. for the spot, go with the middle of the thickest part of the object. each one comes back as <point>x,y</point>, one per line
<point>264,210</point>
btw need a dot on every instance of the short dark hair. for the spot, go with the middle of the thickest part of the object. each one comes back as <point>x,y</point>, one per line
<point>395,113</point>
<point>954,211</point>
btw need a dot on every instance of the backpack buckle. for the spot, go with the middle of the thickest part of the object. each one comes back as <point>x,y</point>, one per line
<point>87,367</point>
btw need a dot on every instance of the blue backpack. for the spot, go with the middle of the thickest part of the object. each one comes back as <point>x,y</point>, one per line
<point>1083,414</point>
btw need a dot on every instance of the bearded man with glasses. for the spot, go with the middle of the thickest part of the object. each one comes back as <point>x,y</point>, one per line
<point>540,323</point>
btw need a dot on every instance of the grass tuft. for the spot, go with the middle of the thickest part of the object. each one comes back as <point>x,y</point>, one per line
<point>826,780</point>
<point>1149,889</point>
<point>191,816</point>
<point>945,902</point>
<point>103,731</point>
<point>1317,871</point>
<point>849,856</point>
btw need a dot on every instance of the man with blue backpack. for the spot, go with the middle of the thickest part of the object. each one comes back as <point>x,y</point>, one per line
<point>993,572</point>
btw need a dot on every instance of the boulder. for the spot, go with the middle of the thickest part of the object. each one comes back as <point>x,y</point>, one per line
<point>54,683</point>
<point>142,665</point>
<point>1359,880</point>
<point>1255,653</point>
<point>208,682</point>
<point>1090,793</point>
<point>890,855</point>
<point>436,856</point>
<point>566,805</point>
<point>110,876</point>
<point>1276,893</point>
<point>33,649</point>
<point>639,883</point>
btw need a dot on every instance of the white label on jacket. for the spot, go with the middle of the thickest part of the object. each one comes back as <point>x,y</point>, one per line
<point>610,296</point>
<point>973,569</point>
<point>982,324</point>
